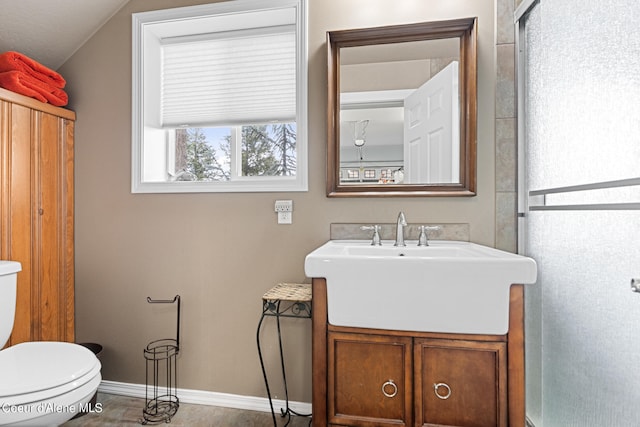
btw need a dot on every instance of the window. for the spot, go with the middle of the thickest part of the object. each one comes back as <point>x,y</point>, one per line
<point>370,174</point>
<point>353,173</point>
<point>219,98</point>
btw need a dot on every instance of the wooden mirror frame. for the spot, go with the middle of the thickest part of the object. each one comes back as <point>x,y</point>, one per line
<point>465,30</point>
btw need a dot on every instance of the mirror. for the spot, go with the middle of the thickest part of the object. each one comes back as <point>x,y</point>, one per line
<point>402,110</point>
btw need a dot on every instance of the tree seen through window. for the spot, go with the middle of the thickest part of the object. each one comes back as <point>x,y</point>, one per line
<point>205,154</point>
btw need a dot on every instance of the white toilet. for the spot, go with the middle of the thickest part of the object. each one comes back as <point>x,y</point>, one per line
<point>41,383</point>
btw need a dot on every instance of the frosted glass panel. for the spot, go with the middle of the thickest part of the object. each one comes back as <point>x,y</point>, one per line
<point>586,95</point>
<point>590,318</point>
<point>582,98</point>
<point>534,117</point>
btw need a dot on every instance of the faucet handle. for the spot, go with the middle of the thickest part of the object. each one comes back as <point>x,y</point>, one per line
<point>423,240</point>
<point>375,239</point>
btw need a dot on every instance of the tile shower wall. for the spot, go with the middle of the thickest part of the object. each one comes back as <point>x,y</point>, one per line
<point>505,143</point>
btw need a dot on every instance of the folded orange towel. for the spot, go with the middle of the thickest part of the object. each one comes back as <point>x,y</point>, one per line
<point>24,84</point>
<point>14,61</point>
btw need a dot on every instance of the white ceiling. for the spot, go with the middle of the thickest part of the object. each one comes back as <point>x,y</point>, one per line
<point>50,31</point>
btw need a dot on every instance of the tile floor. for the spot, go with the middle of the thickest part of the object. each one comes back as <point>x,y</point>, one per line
<point>127,411</point>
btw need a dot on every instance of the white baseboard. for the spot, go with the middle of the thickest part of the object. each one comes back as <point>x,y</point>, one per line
<point>201,397</point>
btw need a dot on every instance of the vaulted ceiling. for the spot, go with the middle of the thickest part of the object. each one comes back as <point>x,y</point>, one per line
<point>50,31</point>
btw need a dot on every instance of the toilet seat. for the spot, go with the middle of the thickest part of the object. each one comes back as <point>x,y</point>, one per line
<point>36,371</point>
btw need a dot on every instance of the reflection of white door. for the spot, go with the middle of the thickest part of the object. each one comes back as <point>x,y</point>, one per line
<point>432,130</point>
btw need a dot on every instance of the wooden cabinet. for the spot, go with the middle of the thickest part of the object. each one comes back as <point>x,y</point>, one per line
<point>378,380</point>
<point>460,383</point>
<point>372,377</point>
<point>36,214</point>
<point>370,380</point>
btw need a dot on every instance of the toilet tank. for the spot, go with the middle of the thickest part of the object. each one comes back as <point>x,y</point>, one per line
<point>8,281</point>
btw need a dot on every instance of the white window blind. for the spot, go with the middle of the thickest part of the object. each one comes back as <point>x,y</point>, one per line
<point>240,77</point>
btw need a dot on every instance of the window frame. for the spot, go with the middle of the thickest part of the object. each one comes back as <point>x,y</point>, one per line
<point>145,44</point>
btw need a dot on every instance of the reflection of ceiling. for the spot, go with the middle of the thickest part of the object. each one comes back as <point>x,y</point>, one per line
<point>424,49</point>
<point>386,125</point>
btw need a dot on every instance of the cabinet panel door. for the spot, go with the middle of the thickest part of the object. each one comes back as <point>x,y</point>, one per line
<point>460,383</point>
<point>49,220</point>
<point>17,210</point>
<point>369,380</point>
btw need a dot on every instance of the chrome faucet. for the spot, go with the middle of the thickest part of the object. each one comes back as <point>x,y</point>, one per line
<point>401,223</point>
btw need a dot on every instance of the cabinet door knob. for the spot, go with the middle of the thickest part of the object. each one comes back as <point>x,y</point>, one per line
<point>40,211</point>
<point>445,396</point>
<point>389,385</point>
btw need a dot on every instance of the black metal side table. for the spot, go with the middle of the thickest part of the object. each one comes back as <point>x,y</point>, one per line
<point>283,300</point>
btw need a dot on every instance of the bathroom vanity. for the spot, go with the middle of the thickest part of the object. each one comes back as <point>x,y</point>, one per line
<point>415,372</point>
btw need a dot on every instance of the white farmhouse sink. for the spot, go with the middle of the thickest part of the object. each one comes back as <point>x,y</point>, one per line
<point>448,286</point>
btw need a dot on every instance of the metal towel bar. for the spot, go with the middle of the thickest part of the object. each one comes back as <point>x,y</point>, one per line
<point>538,200</point>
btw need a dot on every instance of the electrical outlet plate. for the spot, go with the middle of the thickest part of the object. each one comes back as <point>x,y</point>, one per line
<point>285,218</point>
<point>284,206</point>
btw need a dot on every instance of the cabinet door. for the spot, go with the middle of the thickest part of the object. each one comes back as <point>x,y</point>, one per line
<point>17,210</point>
<point>369,380</point>
<point>54,227</point>
<point>460,383</point>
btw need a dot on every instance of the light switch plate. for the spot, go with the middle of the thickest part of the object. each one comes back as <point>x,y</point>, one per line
<point>284,206</point>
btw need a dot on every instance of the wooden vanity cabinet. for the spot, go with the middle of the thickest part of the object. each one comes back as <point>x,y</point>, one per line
<point>36,214</point>
<point>366,377</point>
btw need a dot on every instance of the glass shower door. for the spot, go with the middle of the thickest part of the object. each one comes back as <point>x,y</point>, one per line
<point>579,133</point>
